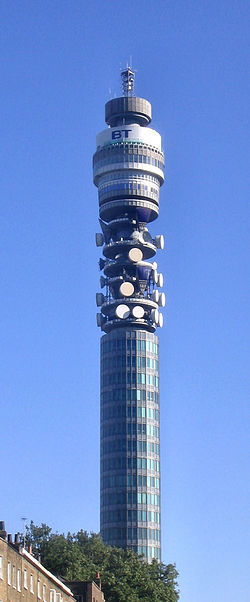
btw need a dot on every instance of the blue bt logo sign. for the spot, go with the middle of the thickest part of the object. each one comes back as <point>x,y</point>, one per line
<point>116,134</point>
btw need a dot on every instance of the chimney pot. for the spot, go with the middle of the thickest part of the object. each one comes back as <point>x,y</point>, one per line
<point>3,533</point>
<point>9,538</point>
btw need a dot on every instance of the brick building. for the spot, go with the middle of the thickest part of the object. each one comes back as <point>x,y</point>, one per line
<point>24,579</point>
<point>86,591</point>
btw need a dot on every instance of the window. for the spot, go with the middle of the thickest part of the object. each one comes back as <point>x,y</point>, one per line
<point>44,593</point>
<point>39,589</point>
<point>9,573</point>
<point>52,595</point>
<point>25,579</point>
<point>14,577</point>
<point>1,567</point>
<point>31,584</point>
<point>18,580</point>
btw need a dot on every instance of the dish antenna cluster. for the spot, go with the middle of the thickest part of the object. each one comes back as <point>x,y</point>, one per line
<point>129,171</point>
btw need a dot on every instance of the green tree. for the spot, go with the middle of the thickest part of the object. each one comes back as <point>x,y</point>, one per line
<point>125,576</point>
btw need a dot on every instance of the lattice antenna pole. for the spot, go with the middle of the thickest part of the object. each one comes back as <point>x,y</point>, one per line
<point>128,78</point>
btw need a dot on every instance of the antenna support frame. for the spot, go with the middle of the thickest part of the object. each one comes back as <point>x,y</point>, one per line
<point>128,78</point>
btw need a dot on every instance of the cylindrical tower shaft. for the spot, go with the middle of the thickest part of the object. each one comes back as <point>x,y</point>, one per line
<point>130,454</point>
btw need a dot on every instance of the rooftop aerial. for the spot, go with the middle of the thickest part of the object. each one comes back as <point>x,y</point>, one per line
<point>128,79</point>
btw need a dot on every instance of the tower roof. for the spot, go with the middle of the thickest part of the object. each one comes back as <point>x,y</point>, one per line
<point>128,109</point>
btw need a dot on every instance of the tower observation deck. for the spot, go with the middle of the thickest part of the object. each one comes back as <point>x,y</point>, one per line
<point>128,168</point>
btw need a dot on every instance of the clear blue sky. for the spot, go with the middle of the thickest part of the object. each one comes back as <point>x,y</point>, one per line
<point>59,59</point>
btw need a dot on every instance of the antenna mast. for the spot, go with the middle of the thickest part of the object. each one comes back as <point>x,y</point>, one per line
<point>128,78</point>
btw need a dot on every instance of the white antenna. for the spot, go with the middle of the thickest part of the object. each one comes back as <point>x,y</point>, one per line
<point>24,518</point>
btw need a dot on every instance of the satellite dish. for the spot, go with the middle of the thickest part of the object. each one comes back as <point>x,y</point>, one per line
<point>159,241</point>
<point>162,299</point>
<point>102,281</point>
<point>127,289</point>
<point>135,255</point>
<point>155,315</point>
<point>102,263</point>
<point>155,276</point>
<point>99,239</point>
<point>155,295</point>
<point>160,320</point>
<point>106,230</point>
<point>138,311</point>
<point>146,236</point>
<point>154,265</point>
<point>99,319</point>
<point>135,235</point>
<point>99,299</point>
<point>122,311</point>
<point>160,280</point>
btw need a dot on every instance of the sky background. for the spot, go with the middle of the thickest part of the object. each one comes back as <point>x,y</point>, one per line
<point>60,63</point>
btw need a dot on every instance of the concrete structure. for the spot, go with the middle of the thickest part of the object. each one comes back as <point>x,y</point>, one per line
<point>24,579</point>
<point>128,170</point>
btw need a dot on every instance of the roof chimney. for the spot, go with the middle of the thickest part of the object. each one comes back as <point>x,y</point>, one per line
<point>3,533</point>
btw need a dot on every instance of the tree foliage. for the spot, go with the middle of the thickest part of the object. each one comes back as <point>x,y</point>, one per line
<point>125,576</point>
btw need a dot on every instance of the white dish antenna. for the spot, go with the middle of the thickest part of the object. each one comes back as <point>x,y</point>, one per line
<point>155,315</point>
<point>127,289</point>
<point>138,311</point>
<point>135,255</point>
<point>159,241</point>
<point>160,280</point>
<point>162,299</point>
<point>155,295</point>
<point>155,276</point>
<point>160,322</point>
<point>122,311</point>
